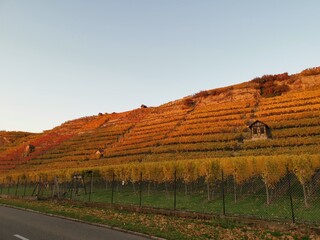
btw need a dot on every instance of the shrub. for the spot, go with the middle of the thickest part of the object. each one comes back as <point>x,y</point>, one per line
<point>189,102</point>
<point>268,87</point>
<point>310,71</point>
<point>203,94</point>
<point>271,78</point>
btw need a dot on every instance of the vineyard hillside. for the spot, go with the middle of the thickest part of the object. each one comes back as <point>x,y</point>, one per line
<point>10,139</point>
<point>209,124</point>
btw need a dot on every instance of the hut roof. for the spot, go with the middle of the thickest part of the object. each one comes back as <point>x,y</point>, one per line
<point>99,151</point>
<point>257,121</point>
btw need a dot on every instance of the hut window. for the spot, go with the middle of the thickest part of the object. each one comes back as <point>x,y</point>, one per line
<point>255,130</point>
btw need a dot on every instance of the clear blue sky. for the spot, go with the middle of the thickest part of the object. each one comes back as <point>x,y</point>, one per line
<point>61,60</point>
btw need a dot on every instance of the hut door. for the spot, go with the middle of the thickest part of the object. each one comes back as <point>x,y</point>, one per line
<point>258,131</point>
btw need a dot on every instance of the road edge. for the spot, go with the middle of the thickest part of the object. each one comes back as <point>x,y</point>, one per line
<point>85,222</point>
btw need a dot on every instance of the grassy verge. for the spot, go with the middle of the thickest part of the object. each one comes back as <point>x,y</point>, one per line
<point>246,205</point>
<point>158,225</point>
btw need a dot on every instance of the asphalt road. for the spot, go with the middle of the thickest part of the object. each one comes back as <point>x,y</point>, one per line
<point>18,224</point>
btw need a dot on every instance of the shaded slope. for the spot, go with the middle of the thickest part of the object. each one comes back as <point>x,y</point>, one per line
<point>17,154</point>
<point>11,139</point>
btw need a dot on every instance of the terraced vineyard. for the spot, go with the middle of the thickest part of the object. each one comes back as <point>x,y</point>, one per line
<point>11,139</point>
<point>197,134</point>
<point>258,141</point>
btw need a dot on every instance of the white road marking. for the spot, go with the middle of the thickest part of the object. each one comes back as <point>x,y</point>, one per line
<point>20,237</point>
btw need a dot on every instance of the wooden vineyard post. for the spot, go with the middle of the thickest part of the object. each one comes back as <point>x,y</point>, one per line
<point>223,195</point>
<point>9,186</point>
<point>35,189</point>
<point>55,188</point>
<point>39,186</point>
<point>175,191</point>
<point>140,190</point>
<point>17,186</point>
<point>91,185</point>
<point>112,188</point>
<point>84,184</point>
<point>25,186</point>
<point>52,190</point>
<point>1,187</point>
<point>290,196</point>
<point>76,186</point>
<point>72,186</point>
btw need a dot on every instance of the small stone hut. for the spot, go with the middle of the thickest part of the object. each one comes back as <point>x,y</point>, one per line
<point>259,130</point>
<point>30,149</point>
<point>99,153</point>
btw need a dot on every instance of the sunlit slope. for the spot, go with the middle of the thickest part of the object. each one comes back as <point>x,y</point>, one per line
<point>210,124</point>
<point>81,148</point>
